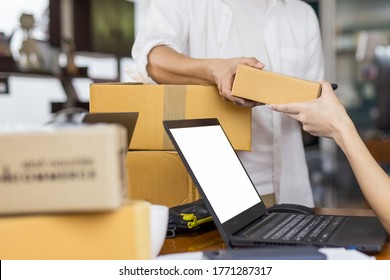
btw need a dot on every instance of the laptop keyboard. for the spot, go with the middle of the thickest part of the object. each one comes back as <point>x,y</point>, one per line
<point>298,227</point>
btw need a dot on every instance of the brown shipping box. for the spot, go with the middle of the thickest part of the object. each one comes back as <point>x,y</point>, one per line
<point>159,177</point>
<point>62,169</point>
<point>272,88</point>
<point>156,103</point>
<point>115,235</point>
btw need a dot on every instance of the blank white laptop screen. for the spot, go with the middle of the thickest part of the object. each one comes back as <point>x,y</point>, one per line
<point>217,169</point>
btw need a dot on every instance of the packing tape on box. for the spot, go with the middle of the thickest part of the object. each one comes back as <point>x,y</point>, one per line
<point>174,108</point>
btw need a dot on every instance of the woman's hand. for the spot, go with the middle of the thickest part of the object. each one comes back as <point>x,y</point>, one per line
<point>324,116</point>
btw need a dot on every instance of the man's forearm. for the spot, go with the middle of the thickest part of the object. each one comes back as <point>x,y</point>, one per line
<point>167,66</point>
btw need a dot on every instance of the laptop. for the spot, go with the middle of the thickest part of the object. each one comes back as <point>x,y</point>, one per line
<point>126,119</point>
<point>239,212</point>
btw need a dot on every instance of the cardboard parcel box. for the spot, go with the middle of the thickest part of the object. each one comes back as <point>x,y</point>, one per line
<point>116,235</point>
<point>156,103</point>
<point>272,88</point>
<point>62,168</point>
<point>159,177</point>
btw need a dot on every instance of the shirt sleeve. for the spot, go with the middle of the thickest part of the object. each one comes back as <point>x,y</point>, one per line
<point>166,23</point>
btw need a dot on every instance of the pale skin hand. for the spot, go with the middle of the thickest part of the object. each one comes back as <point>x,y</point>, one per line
<point>324,116</point>
<point>167,66</point>
<point>327,117</point>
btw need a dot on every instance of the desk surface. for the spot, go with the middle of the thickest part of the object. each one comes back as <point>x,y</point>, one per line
<point>212,240</point>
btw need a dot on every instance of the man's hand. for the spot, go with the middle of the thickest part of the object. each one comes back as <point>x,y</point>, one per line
<point>223,72</point>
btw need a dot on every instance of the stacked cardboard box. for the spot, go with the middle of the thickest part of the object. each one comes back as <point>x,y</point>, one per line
<point>155,171</point>
<point>159,177</point>
<point>116,235</point>
<point>75,168</point>
<point>46,173</point>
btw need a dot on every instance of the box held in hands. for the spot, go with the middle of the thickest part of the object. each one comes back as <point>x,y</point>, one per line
<point>272,88</point>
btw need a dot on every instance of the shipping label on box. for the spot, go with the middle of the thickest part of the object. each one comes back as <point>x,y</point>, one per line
<point>62,169</point>
<point>156,103</point>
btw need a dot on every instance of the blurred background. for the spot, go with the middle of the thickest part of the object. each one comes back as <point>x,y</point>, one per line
<point>51,50</point>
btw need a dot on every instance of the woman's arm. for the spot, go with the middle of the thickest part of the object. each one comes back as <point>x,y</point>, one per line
<point>327,117</point>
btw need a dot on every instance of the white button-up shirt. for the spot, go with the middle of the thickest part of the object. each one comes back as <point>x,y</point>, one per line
<point>291,37</point>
